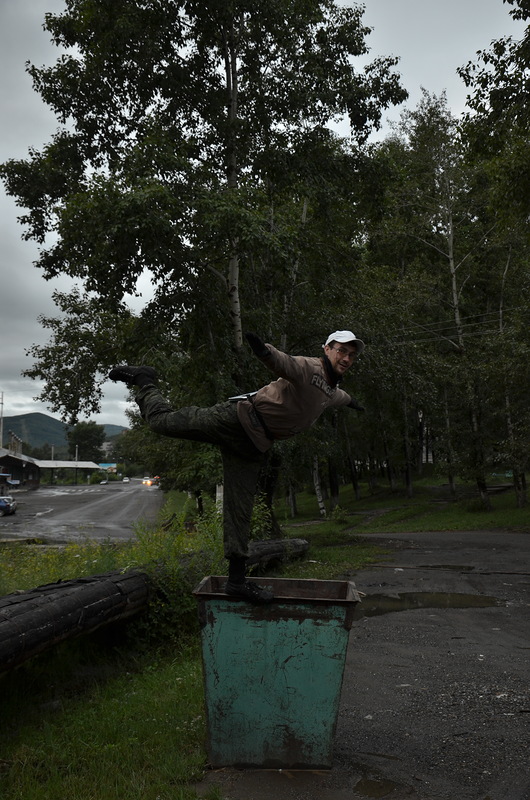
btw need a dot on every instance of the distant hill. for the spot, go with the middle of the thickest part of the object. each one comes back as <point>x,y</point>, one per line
<point>113,430</point>
<point>40,429</point>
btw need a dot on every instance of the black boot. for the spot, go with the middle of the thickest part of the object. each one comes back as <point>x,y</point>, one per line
<point>135,376</point>
<point>238,586</point>
<point>249,591</point>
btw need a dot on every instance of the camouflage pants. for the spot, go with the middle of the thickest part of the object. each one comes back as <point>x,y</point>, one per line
<point>242,461</point>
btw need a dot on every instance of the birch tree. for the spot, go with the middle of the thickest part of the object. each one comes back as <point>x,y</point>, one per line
<point>176,119</point>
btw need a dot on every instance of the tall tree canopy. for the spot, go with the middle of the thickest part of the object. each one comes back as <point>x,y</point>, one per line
<point>85,441</point>
<point>499,99</point>
<point>194,145</point>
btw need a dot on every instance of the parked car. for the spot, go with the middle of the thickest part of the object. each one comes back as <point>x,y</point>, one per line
<point>8,505</point>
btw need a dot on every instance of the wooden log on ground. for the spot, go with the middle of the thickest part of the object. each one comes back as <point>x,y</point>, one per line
<point>268,551</point>
<point>36,620</point>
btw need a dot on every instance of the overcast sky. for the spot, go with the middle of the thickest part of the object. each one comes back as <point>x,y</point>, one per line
<point>431,38</point>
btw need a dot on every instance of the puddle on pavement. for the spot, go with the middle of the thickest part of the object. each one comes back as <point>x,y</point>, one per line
<point>261,783</point>
<point>374,605</point>
<point>456,567</point>
<point>373,787</point>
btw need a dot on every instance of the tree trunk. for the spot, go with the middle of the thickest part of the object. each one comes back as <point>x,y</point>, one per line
<point>289,294</point>
<point>449,446</point>
<point>520,489</point>
<point>318,487</point>
<point>231,79</point>
<point>291,500</point>
<point>406,447</point>
<point>388,463</point>
<point>354,477</point>
<point>333,484</point>
<point>267,488</point>
<point>199,503</point>
<point>478,458</point>
<point>408,476</point>
<point>372,473</point>
<point>421,444</point>
<point>476,433</point>
<point>351,460</point>
<point>519,484</point>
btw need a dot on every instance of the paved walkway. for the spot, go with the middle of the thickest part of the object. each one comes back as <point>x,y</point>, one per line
<point>435,701</point>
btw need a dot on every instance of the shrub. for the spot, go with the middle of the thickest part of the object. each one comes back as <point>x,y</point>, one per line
<point>339,515</point>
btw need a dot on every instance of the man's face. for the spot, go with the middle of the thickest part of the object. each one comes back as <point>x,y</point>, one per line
<point>341,356</point>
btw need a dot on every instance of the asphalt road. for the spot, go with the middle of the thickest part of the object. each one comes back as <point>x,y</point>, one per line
<point>435,700</point>
<point>73,513</point>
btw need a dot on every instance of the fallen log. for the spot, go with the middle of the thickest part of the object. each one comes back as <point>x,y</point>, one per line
<point>269,551</point>
<point>36,620</point>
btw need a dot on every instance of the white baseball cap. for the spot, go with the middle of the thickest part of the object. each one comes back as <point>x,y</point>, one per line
<point>346,337</point>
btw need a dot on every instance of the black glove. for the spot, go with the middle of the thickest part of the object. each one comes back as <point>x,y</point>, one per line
<point>354,404</point>
<point>257,344</point>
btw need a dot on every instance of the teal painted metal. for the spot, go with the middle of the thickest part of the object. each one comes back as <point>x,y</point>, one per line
<point>273,674</point>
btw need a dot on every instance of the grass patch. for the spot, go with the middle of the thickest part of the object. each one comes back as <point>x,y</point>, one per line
<point>429,509</point>
<point>336,551</point>
<point>328,562</point>
<point>136,736</point>
<point>419,515</point>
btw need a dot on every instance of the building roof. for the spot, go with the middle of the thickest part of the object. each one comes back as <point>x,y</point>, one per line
<point>66,464</point>
<point>4,453</point>
<point>43,464</point>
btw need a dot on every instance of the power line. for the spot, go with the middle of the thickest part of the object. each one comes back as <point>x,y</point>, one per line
<point>493,332</point>
<point>480,317</point>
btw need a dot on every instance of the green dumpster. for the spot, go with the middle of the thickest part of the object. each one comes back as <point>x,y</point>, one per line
<point>273,673</point>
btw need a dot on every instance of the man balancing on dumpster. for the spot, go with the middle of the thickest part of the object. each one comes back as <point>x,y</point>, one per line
<point>245,428</point>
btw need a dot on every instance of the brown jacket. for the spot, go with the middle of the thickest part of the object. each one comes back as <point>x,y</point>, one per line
<point>293,402</point>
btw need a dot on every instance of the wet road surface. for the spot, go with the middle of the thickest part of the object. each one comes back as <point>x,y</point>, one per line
<point>73,513</point>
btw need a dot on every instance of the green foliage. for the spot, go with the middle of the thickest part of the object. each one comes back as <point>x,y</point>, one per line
<point>198,150</point>
<point>339,515</point>
<point>261,522</point>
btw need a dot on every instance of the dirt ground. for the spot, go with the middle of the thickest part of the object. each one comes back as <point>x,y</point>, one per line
<point>435,700</point>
